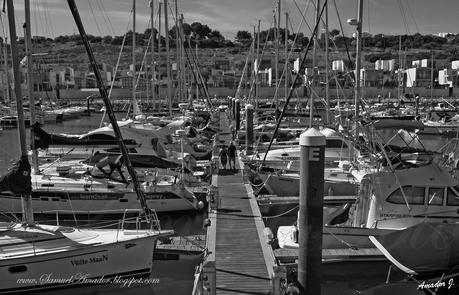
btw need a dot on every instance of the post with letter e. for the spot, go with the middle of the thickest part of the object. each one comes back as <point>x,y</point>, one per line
<point>312,150</point>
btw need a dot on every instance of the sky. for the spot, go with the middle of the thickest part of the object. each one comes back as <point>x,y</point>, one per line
<point>52,18</point>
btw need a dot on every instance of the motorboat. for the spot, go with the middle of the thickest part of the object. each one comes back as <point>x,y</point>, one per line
<point>336,149</point>
<point>426,254</point>
<point>390,201</point>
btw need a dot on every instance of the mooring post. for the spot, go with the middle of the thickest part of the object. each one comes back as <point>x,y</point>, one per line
<point>237,113</point>
<point>249,129</point>
<point>233,103</point>
<point>312,149</point>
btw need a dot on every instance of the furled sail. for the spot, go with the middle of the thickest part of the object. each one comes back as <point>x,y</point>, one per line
<point>17,179</point>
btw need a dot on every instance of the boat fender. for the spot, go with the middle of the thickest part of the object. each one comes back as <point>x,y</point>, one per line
<point>292,289</point>
<point>200,204</point>
<point>268,234</point>
<point>294,234</point>
<point>206,223</point>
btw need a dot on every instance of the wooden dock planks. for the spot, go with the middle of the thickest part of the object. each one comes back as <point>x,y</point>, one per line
<point>240,264</point>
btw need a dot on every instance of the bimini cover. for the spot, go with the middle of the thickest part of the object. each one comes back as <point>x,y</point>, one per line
<point>17,179</point>
<point>422,249</point>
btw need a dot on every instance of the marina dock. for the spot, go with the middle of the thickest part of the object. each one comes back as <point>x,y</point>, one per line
<point>239,259</point>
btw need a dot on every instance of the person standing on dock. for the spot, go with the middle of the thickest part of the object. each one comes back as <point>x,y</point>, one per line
<point>232,156</point>
<point>223,156</point>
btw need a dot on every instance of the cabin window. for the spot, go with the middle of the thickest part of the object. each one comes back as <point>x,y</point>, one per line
<point>17,269</point>
<point>452,197</point>
<point>435,196</point>
<point>335,143</point>
<point>414,195</point>
<point>117,150</point>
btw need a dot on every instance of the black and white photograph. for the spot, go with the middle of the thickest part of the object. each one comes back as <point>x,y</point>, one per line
<point>212,147</point>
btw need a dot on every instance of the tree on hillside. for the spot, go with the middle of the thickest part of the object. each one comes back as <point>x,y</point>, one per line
<point>216,36</point>
<point>199,30</point>
<point>242,36</point>
<point>117,40</point>
<point>187,29</point>
<point>107,39</point>
<point>334,33</point>
<point>147,33</point>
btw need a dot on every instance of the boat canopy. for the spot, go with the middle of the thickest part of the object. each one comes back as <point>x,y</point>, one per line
<point>426,248</point>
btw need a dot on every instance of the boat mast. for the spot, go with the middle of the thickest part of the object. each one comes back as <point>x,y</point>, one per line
<point>27,213</point>
<point>286,55</point>
<point>168,59</point>
<point>182,60</point>
<point>159,54</point>
<point>358,57</point>
<point>276,60</point>
<point>178,52</point>
<point>399,65</point>
<point>108,105</point>
<point>134,103</point>
<point>327,65</point>
<point>153,92</point>
<point>431,74</point>
<point>250,98</point>
<point>196,70</point>
<point>258,66</point>
<point>28,48</point>
<point>314,66</point>
<point>7,78</point>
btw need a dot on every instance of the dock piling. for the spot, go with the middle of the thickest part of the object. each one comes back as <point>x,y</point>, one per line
<point>237,113</point>
<point>249,129</point>
<point>312,149</point>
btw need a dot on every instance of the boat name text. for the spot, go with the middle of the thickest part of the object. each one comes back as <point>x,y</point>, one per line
<point>94,259</point>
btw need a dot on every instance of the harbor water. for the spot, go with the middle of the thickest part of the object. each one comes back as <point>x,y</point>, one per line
<point>168,276</point>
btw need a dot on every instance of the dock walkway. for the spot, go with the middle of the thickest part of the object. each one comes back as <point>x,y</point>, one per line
<point>243,259</point>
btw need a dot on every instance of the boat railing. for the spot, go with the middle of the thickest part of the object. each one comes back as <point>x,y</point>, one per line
<point>450,154</point>
<point>150,219</point>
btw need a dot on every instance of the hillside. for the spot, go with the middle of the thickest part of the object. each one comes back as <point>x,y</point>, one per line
<point>69,51</point>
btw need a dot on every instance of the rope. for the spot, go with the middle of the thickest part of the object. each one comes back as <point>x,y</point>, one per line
<point>13,217</point>
<point>353,247</point>
<point>49,26</point>
<point>282,214</point>
<point>109,24</point>
<point>116,67</point>
<point>94,17</point>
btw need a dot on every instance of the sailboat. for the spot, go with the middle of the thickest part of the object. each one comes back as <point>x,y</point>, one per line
<point>48,256</point>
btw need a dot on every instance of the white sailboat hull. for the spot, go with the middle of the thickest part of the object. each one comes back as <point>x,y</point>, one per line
<point>93,195</point>
<point>94,204</point>
<point>62,261</point>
